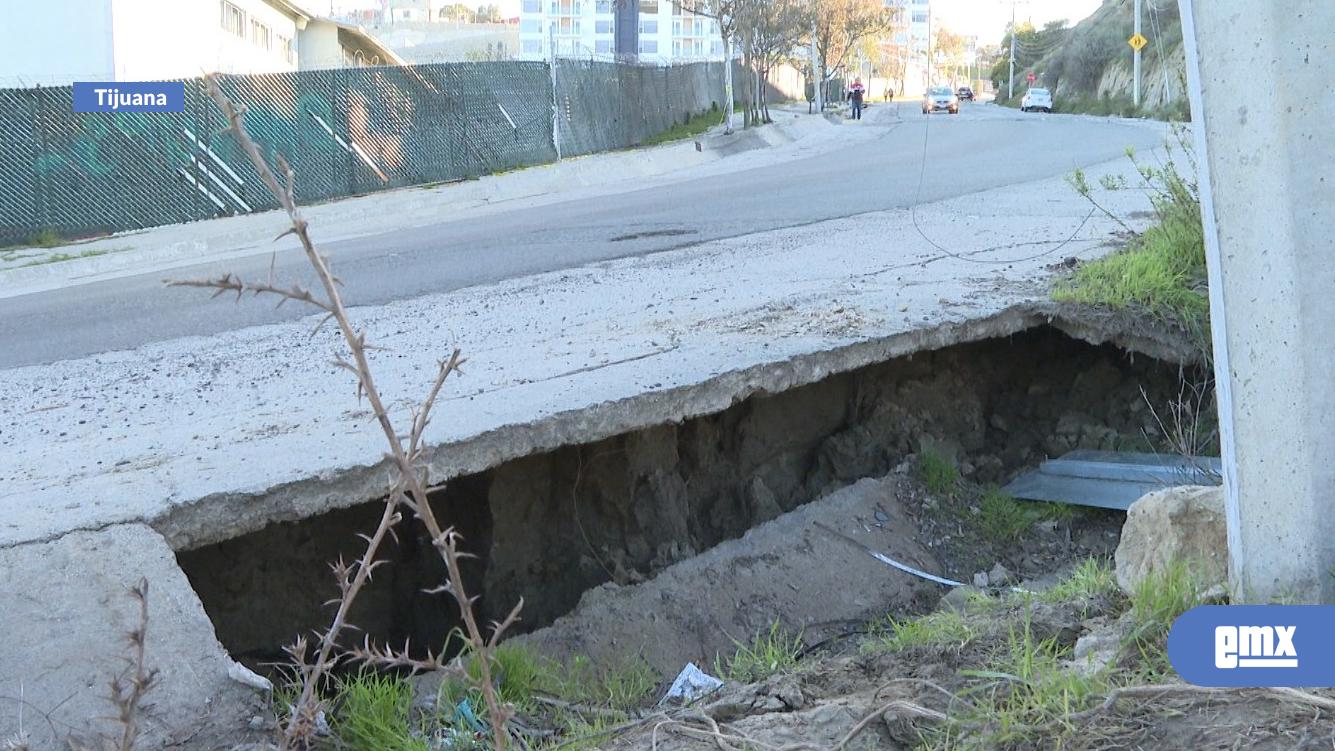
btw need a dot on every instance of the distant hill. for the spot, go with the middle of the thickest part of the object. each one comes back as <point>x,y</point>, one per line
<point>1091,61</point>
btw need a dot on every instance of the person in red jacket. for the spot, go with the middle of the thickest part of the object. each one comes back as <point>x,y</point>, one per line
<point>855,94</point>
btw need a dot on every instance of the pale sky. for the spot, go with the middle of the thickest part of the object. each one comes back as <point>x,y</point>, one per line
<point>986,19</point>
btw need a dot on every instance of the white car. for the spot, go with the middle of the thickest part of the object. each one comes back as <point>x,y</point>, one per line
<point>940,98</point>
<point>1036,100</point>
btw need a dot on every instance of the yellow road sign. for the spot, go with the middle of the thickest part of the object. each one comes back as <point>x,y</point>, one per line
<point>1138,42</point>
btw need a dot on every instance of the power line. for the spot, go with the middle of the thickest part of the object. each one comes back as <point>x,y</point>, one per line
<point>917,199</point>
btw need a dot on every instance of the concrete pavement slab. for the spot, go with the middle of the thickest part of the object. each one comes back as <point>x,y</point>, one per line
<point>211,437</point>
<point>66,615</point>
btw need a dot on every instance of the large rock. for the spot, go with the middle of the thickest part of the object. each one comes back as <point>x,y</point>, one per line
<point>67,610</point>
<point>1183,523</point>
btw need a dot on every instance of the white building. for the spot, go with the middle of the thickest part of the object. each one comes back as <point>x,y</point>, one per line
<point>585,28</point>
<point>55,42</point>
<point>913,40</point>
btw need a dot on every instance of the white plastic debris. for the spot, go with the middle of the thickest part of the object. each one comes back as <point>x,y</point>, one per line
<point>691,684</point>
<point>247,677</point>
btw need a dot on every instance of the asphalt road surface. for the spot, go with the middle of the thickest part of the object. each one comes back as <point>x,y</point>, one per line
<point>915,159</point>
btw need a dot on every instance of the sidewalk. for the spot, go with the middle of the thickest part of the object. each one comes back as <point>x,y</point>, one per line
<point>30,270</point>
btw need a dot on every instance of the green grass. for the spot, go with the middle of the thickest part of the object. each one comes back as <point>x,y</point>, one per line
<point>1162,270</point>
<point>1156,601</point>
<point>1092,577</point>
<point>622,685</point>
<point>944,628</point>
<point>938,473</point>
<point>374,713</point>
<point>1024,684</point>
<point>1002,519</point>
<point>770,652</point>
<point>689,128</point>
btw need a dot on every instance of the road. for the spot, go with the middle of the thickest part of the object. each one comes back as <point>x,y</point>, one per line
<point>913,159</point>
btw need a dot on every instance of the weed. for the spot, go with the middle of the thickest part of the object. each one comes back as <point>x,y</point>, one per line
<point>1156,601</point>
<point>516,672</point>
<point>945,628</point>
<point>689,128</point>
<point>1023,686</point>
<point>770,652</point>
<point>1092,577</point>
<point>1002,519</point>
<point>47,238</point>
<point>374,714</point>
<point>938,473</point>
<point>1162,270</point>
<point>622,685</point>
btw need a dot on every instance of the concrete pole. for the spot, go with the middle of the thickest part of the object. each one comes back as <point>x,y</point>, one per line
<point>1135,62</point>
<point>1266,178</point>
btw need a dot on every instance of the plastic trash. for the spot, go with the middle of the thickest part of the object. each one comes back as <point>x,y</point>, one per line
<point>691,684</point>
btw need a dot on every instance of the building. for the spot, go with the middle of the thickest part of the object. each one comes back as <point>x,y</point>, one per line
<point>586,28</point>
<point>56,42</point>
<point>913,39</point>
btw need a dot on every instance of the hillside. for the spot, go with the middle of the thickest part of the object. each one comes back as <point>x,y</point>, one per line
<point>1088,66</point>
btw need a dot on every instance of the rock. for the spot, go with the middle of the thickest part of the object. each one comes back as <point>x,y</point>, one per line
<point>998,575</point>
<point>1175,524</point>
<point>957,599</point>
<point>764,506</point>
<point>980,579</point>
<point>66,615</point>
<point>1100,647</point>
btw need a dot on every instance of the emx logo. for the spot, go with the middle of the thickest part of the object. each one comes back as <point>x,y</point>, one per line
<point>1255,645</point>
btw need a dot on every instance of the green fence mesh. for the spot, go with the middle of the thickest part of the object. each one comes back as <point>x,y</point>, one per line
<point>345,131</point>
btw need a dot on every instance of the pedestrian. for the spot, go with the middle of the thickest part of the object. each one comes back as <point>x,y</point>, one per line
<point>855,94</point>
<point>889,93</point>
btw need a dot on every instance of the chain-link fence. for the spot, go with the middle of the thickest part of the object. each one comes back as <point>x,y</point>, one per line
<point>345,131</point>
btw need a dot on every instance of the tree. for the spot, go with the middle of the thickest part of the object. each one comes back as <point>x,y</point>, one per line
<point>769,31</point>
<point>840,25</point>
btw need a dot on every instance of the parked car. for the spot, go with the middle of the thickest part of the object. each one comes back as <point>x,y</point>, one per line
<point>940,98</point>
<point>964,93</point>
<point>1036,100</point>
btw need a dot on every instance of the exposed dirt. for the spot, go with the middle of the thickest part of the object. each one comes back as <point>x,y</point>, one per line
<point>552,526</point>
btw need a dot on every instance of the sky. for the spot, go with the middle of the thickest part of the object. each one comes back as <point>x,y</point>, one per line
<point>985,19</point>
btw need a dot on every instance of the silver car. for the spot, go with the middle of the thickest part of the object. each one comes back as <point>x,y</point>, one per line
<point>940,98</point>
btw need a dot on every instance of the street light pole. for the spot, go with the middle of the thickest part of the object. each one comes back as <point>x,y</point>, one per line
<point>1135,62</point>
<point>1010,86</point>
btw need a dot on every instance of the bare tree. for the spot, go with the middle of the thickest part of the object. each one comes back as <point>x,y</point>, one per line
<point>408,491</point>
<point>771,30</point>
<point>840,25</point>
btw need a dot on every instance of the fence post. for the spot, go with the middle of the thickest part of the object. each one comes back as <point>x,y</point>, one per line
<point>42,206</point>
<point>556,107</point>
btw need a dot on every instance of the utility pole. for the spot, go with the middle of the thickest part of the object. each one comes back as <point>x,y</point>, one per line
<point>1265,183</point>
<point>817,74</point>
<point>727,84</point>
<point>1010,85</point>
<point>1135,62</point>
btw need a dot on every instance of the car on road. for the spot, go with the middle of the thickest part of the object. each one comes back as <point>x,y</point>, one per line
<point>940,98</point>
<point>1036,100</point>
<point>964,94</point>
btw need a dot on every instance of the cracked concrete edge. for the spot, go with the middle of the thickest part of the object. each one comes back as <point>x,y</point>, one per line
<point>219,517</point>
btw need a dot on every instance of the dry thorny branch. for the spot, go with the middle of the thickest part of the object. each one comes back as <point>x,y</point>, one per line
<point>128,687</point>
<point>408,491</point>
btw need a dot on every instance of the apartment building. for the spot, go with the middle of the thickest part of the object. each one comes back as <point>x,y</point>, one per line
<point>587,28</point>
